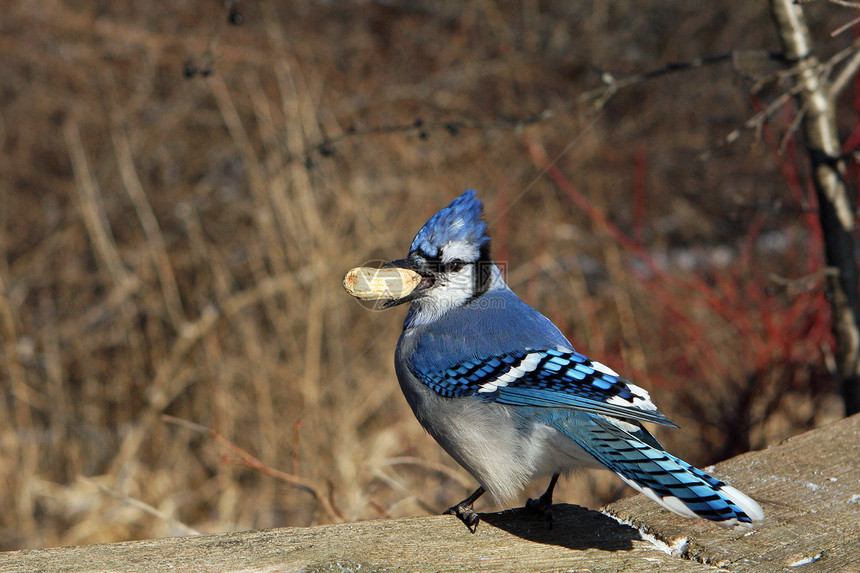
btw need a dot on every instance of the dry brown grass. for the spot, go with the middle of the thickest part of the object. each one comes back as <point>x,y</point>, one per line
<point>176,246</point>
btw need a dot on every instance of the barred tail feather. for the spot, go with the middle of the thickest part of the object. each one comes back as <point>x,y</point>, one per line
<point>670,481</point>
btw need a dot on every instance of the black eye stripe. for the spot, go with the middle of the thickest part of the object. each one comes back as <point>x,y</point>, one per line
<point>483,274</point>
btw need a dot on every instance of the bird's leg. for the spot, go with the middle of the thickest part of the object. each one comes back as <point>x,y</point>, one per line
<point>543,504</point>
<point>465,512</point>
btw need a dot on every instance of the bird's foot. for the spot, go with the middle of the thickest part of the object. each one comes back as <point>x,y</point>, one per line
<point>466,513</point>
<point>543,507</point>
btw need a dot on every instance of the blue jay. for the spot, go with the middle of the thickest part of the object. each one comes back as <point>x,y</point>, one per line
<point>502,390</point>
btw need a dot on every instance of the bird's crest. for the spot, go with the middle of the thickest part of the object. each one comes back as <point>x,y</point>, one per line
<point>458,222</point>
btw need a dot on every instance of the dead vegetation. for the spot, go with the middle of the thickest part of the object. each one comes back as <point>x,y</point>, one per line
<point>175,245</point>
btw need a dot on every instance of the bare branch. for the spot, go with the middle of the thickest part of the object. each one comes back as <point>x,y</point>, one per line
<point>246,459</point>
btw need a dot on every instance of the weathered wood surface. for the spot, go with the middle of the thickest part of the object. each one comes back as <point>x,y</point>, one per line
<point>809,487</point>
<point>581,541</point>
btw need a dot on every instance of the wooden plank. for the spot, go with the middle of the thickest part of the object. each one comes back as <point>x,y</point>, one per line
<point>581,540</point>
<point>809,487</point>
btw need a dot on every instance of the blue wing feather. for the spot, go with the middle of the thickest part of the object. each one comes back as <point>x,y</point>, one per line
<point>559,379</point>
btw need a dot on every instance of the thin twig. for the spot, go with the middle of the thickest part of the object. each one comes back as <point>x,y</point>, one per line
<point>154,239</point>
<point>601,95</point>
<point>847,73</point>
<point>92,213</point>
<point>792,128</point>
<point>845,3</point>
<point>805,283</point>
<point>187,529</point>
<point>844,27</point>
<point>758,119</point>
<point>246,459</point>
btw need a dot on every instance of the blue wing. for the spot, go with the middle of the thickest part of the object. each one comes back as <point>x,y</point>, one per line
<point>548,379</point>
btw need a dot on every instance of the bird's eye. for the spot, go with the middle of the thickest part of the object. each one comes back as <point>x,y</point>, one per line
<point>454,266</point>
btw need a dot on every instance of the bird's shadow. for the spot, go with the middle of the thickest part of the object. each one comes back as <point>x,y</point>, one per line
<point>573,527</point>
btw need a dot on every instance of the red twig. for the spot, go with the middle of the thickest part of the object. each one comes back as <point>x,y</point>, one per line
<point>246,459</point>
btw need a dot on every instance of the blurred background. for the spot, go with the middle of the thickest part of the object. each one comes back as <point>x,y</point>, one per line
<point>184,185</point>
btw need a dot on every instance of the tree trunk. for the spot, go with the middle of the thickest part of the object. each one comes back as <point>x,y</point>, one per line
<point>835,208</point>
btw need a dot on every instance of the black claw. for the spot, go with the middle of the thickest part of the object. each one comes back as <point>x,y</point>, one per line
<point>543,508</point>
<point>543,504</point>
<point>466,514</point>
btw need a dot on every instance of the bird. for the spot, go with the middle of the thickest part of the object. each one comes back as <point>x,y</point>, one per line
<point>506,395</point>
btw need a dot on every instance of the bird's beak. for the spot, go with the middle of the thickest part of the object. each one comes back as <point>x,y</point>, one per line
<point>428,279</point>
